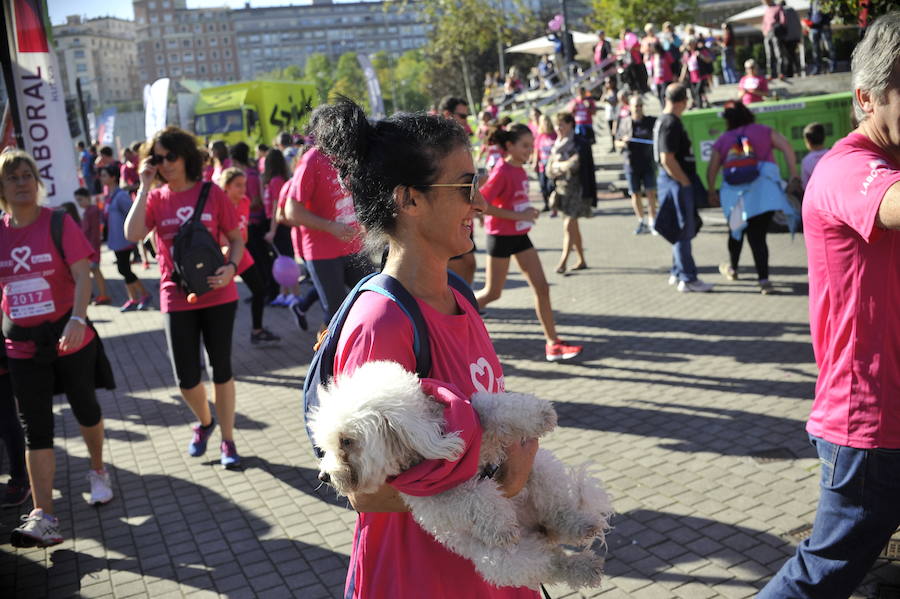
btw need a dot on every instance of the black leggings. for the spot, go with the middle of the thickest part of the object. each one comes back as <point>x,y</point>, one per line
<point>253,280</point>
<point>757,227</point>
<point>123,263</point>
<point>33,385</point>
<point>11,431</point>
<point>183,331</point>
<point>263,255</point>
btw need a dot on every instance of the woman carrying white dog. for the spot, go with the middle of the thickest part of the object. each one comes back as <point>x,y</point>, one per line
<point>414,186</point>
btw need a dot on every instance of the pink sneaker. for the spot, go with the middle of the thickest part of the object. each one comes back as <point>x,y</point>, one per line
<point>561,351</point>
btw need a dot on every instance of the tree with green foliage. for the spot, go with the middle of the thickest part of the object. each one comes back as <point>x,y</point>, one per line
<point>615,15</point>
<point>319,72</point>
<point>410,73</point>
<point>350,81</point>
<point>848,10</point>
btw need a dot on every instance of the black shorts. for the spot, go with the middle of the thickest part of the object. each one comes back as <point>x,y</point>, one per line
<point>504,246</point>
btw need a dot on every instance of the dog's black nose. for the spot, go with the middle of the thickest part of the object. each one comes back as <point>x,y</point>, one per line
<point>324,477</point>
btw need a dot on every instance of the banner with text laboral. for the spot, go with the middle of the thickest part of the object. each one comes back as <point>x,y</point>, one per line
<point>39,97</point>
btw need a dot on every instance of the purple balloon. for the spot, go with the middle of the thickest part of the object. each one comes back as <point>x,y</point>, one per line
<point>285,271</point>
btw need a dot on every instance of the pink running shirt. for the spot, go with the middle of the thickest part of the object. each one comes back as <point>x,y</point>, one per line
<point>315,185</point>
<point>392,557</point>
<point>854,288</point>
<point>751,84</point>
<point>166,212</point>
<point>507,188</point>
<point>37,285</point>
<point>582,110</point>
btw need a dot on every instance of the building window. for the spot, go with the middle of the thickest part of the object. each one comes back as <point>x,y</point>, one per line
<point>189,69</point>
<point>165,4</point>
<point>229,66</point>
<point>81,67</point>
<point>160,72</point>
<point>186,43</point>
<point>171,43</point>
<point>202,69</point>
<point>167,18</point>
<point>188,56</point>
<point>151,6</point>
<point>200,42</point>
<point>79,53</point>
<point>176,71</point>
<point>154,19</point>
<point>210,27</point>
<point>201,55</point>
<point>224,27</point>
<point>225,40</point>
<point>227,54</point>
<point>198,28</point>
<point>216,67</point>
<point>160,59</point>
<point>173,58</point>
<point>213,41</point>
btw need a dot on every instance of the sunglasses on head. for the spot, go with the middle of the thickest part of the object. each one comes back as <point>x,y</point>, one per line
<point>158,158</point>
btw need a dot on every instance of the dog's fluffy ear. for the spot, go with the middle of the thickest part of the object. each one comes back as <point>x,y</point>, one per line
<point>424,436</point>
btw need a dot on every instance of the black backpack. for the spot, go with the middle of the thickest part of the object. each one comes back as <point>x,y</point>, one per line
<point>195,252</point>
<point>322,365</point>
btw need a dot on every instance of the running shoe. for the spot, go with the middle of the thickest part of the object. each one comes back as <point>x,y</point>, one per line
<point>696,286</point>
<point>37,530</point>
<point>145,303</point>
<point>673,280</point>
<point>299,316</point>
<point>766,288</point>
<point>263,337</point>
<point>561,351</point>
<point>102,300</point>
<point>279,301</point>
<point>101,491</point>
<point>16,493</point>
<point>641,229</point>
<point>728,272</point>
<point>146,266</point>
<point>129,306</point>
<point>230,458</point>
<point>201,436</point>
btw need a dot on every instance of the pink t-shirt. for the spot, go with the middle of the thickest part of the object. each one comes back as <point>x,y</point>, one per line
<point>37,285</point>
<point>662,68</point>
<point>544,143</point>
<point>316,186</point>
<point>217,170</point>
<point>166,212</point>
<point>582,110</point>
<point>751,84</point>
<point>392,557</point>
<point>760,137</point>
<point>854,290</point>
<point>296,234</point>
<point>255,193</point>
<point>507,188</point>
<point>128,174</point>
<point>270,194</point>
<point>242,211</point>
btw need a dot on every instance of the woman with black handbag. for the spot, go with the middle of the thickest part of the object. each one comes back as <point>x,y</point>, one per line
<point>173,158</point>
<point>45,280</point>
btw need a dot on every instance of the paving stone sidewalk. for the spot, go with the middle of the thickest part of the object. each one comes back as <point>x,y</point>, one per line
<point>691,407</point>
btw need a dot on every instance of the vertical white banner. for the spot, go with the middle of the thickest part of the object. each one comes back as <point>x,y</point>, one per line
<point>376,102</point>
<point>40,100</point>
<point>155,104</point>
<point>106,127</point>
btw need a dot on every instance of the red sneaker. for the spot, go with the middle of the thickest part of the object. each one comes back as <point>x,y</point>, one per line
<point>102,300</point>
<point>561,351</point>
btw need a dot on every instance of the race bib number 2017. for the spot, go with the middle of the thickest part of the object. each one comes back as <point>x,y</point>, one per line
<point>29,298</point>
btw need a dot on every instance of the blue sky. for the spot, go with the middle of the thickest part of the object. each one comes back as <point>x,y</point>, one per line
<point>59,9</point>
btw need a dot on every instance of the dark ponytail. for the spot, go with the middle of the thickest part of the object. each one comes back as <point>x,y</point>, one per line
<point>373,157</point>
<point>501,137</point>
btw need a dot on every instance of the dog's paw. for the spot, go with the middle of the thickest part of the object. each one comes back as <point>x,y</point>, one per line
<point>584,569</point>
<point>578,528</point>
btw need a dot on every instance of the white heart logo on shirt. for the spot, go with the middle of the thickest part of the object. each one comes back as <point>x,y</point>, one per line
<point>184,213</point>
<point>478,370</point>
<point>20,255</point>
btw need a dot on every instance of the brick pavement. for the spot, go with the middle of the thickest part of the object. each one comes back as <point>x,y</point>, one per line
<point>674,395</point>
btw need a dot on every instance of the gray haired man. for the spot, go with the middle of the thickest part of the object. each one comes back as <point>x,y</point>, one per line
<point>851,221</point>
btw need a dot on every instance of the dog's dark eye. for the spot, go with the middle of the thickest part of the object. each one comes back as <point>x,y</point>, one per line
<point>346,442</point>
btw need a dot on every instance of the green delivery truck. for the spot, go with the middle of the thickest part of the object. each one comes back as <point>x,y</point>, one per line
<point>253,111</point>
<point>788,117</point>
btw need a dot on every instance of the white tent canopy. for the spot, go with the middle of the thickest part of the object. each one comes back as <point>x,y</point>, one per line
<point>584,45</point>
<point>753,16</point>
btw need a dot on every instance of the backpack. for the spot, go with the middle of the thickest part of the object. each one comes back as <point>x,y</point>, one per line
<point>195,252</point>
<point>741,165</point>
<point>322,365</point>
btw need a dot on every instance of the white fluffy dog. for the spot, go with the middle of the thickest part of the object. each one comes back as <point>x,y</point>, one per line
<point>378,422</point>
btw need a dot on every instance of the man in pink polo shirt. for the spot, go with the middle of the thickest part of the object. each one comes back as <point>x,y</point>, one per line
<point>851,220</point>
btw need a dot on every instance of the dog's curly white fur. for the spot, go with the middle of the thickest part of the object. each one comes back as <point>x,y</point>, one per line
<point>378,422</point>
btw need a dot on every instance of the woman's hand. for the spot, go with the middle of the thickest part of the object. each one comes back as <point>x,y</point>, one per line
<point>514,472</point>
<point>342,231</point>
<point>72,336</point>
<point>148,173</point>
<point>713,197</point>
<point>529,214</point>
<point>269,237</point>
<point>223,276</point>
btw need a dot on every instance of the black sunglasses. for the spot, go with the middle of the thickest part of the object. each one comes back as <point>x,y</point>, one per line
<point>158,158</point>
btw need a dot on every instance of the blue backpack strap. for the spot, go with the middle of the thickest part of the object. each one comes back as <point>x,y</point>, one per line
<point>458,283</point>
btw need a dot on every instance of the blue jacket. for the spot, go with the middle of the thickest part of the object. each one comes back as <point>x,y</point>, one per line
<point>763,194</point>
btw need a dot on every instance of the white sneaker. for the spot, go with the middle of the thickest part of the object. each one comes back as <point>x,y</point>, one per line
<point>280,300</point>
<point>697,286</point>
<point>673,280</point>
<point>290,299</point>
<point>101,491</point>
<point>37,530</point>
